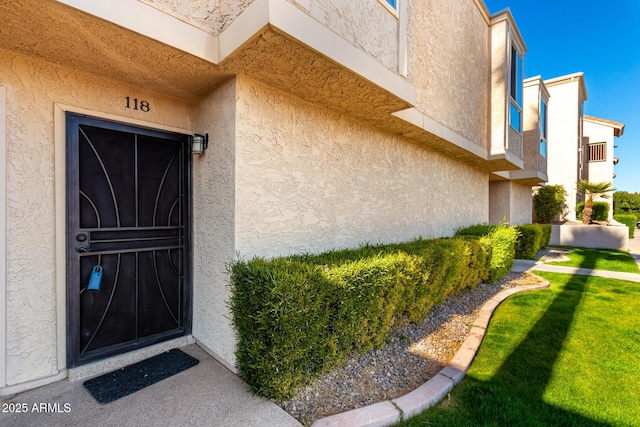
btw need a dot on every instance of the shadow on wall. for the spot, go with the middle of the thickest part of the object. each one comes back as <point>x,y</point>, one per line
<point>590,236</point>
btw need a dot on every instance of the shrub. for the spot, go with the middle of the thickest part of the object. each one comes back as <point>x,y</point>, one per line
<point>626,203</point>
<point>531,239</point>
<point>548,203</point>
<point>298,316</point>
<point>629,220</point>
<point>600,211</point>
<point>546,235</point>
<point>503,240</point>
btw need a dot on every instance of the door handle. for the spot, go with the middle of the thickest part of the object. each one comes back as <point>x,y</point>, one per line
<point>82,248</point>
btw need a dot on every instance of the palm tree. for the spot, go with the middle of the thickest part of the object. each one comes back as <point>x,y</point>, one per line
<point>591,190</point>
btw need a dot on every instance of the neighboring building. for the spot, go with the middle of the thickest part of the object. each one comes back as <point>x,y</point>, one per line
<point>579,147</point>
<point>564,144</point>
<point>598,145</point>
<point>330,124</point>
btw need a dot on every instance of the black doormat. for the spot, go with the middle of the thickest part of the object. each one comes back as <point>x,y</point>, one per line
<point>114,385</point>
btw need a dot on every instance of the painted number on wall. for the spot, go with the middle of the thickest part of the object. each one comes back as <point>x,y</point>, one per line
<point>137,104</point>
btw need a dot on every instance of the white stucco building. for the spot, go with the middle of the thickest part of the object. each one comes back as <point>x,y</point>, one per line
<point>579,147</point>
<point>330,124</point>
<point>599,141</point>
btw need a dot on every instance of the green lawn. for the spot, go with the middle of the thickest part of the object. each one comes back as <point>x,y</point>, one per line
<point>600,259</point>
<point>565,356</point>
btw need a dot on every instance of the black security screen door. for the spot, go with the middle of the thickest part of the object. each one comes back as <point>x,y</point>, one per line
<point>128,208</point>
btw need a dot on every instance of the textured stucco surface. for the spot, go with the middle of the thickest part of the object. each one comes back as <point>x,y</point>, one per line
<point>210,15</point>
<point>499,89</point>
<point>97,46</point>
<point>522,204</point>
<point>310,180</point>
<point>365,24</point>
<point>279,61</point>
<point>33,86</point>
<point>532,95</point>
<point>213,221</point>
<point>510,202</point>
<point>451,66</point>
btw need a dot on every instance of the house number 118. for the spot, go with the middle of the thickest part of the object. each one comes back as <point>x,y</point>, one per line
<point>137,104</point>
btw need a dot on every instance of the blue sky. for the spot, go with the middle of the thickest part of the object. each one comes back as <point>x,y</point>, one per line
<point>601,39</point>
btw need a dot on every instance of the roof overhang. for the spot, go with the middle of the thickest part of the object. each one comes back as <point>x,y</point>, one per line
<point>618,128</point>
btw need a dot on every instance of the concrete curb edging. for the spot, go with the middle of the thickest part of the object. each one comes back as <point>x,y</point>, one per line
<point>390,412</point>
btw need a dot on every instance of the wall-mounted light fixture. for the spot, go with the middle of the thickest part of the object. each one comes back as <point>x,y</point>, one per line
<point>199,143</point>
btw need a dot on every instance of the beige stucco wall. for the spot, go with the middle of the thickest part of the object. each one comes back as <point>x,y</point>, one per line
<point>534,92</point>
<point>365,24</point>
<point>451,66</point>
<point>510,203</point>
<point>368,25</point>
<point>210,15</point>
<point>214,222</point>
<point>522,204</point>
<point>33,325</point>
<point>309,180</point>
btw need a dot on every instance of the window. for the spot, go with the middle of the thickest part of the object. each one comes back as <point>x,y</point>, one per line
<point>391,6</point>
<point>543,127</point>
<point>597,152</point>
<point>515,88</point>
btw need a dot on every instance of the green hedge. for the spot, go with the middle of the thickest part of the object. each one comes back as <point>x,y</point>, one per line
<point>629,220</point>
<point>298,316</point>
<point>548,203</point>
<point>532,238</point>
<point>503,240</point>
<point>600,211</point>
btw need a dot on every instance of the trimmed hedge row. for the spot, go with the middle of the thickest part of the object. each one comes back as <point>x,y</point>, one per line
<point>298,316</point>
<point>532,238</point>
<point>629,220</point>
<point>600,211</point>
<point>503,241</point>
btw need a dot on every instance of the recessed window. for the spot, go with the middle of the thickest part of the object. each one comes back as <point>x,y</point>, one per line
<point>514,116</point>
<point>543,127</point>
<point>597,152</point>
<point>515,90</point>
<point>393,3</point>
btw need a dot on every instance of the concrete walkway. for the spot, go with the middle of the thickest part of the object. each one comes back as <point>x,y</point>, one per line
<point>522,265</point>
<point>207,394</point>
<point>210,395</point>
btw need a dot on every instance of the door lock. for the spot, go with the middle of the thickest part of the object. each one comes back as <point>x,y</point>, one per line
<point>82,248</point>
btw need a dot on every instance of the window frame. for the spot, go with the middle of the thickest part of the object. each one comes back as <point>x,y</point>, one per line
<point>543,118</point>
<point>599,148</point>
<point>392,8</point>
<point>516,73</point>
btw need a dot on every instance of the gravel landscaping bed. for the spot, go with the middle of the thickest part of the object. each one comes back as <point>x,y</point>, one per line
<point>413,355</point>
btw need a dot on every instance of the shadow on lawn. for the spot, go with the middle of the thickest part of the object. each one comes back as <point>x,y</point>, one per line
<point>515,394</point>
<point>528,370</point>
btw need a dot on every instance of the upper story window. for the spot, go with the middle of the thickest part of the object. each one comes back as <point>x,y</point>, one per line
<point>597,152</point>
<point>515,88</point>
<point>391,5</point>
<point>543,127</point>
